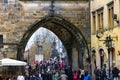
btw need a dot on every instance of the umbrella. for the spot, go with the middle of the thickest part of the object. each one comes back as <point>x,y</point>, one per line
<point>11,62</point>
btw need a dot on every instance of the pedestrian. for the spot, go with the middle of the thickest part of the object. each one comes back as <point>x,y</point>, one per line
<point>50,76</point>
<point>63,76</point>
<point>97,73</point>
<point>69,73</point>
<point>115,73</point>
<point>87,75</point>
<point>45,75</point>
<point>75,75</point>
<point>40,75</point>
<point>20,77</point>
<point>8,78</point>
<point>103,75</point>
<point>56,75</point>
<point>81,76</point>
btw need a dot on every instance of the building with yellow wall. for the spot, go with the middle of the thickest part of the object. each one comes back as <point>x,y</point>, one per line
<point>105,21</point>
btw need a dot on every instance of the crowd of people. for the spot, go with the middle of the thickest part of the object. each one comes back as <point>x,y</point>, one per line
<point>53,70</point>
<point>105,74</point>
<point>58,70</point>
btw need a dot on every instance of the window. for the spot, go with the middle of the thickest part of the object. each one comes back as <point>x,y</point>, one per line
<point>110,15</point>
<point>110,19</point>
<point>100,18</point>
<point>94,22</point>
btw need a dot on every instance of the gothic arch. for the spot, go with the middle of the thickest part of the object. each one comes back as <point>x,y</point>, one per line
<point>52,23</point>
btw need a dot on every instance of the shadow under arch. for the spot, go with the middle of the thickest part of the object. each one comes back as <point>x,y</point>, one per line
<point>61,23</point>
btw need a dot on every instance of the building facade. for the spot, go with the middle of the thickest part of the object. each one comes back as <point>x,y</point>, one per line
<point>105,21</point>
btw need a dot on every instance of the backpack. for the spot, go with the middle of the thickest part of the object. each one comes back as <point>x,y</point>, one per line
<point>75,76</point>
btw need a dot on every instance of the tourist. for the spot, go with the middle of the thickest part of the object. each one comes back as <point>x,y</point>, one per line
<point>56,75</point>
<point>103,75</point>
<point>115,73</point>
<point>86,76</point>
<point>97,73</point>
<point>63,76</point>
<point>81,76</point>
<point>20,77</point>
<point>75,75</point>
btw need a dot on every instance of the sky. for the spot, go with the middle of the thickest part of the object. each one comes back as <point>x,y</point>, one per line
<point>41,30</point>
<point>38,32</point>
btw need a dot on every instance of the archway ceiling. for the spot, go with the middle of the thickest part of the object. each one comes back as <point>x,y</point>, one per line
<point>61,32</point>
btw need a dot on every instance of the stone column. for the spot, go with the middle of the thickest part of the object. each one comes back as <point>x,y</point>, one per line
<point>20,56</point>
<point>75,58</point>
<point>69,54</point>
<point>80,56</point>
<point>80,59</point>
<point>20,53</point>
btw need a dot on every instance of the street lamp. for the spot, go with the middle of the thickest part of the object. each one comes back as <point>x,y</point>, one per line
<point>108,42</point>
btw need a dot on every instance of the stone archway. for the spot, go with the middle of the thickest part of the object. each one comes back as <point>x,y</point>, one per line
<point>71,37</point>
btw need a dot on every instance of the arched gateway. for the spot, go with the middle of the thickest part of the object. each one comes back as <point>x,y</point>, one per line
<point>71,24</point>
<point>71,37</point>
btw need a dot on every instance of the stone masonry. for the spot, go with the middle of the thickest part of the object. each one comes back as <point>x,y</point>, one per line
<point>15,19</point>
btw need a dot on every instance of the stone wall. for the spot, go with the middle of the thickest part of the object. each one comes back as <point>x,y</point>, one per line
<point>15,19</point>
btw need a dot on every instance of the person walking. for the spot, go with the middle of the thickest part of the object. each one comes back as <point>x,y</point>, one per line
<point>86,76</point>
<point>97,73</point>
<point>115,73</point>
<point>40,75</point>
<point>81,76</point>
<point>69,73</point>
<point>103,75</point>
<point>56,76</point>
<point>45,76</point>
<point>20,77</point>
<point>63,76</point>
<point>50,75</point>
<point>75,75</point>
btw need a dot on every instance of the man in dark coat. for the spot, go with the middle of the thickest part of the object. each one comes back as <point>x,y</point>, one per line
<point>97,73</point>
<point>115,73</point>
